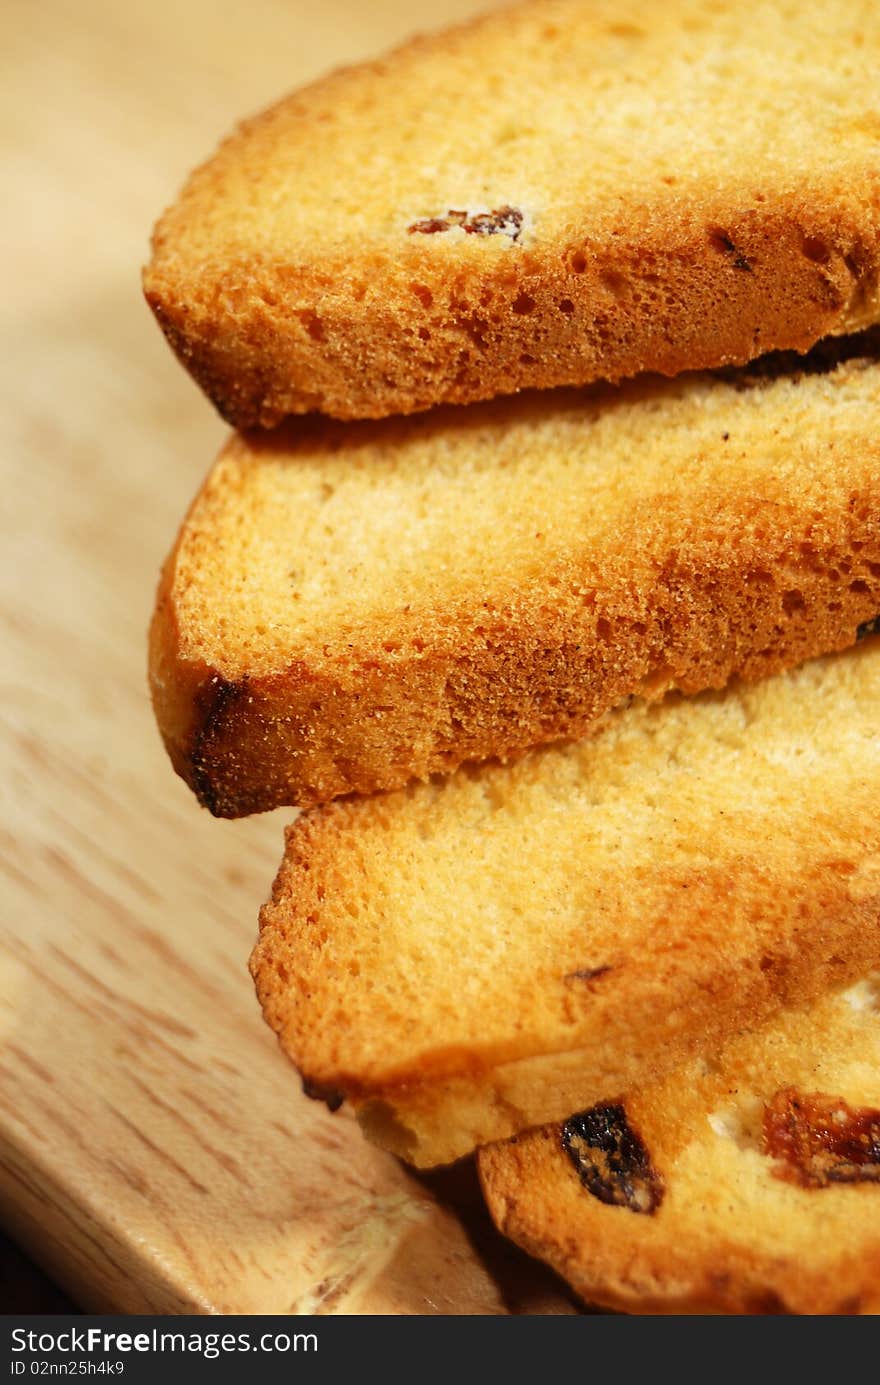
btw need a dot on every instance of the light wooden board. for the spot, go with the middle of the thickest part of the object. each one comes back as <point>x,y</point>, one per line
<point>155,1151</point>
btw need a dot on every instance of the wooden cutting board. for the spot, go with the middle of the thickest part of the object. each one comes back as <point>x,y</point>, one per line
<point>155,1151</point>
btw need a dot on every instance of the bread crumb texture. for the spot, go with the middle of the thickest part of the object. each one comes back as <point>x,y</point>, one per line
<point>553,194</point>
<point>352,606</point>
<point>730,1235</point>
<point>472,957</point>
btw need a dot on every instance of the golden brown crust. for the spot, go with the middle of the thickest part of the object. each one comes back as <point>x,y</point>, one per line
<point>728,1236</point>
<point>709,571</point>
<point>710,314</point>
<point>298,297</point>
<point>464,958</point>
<point>251,746</point>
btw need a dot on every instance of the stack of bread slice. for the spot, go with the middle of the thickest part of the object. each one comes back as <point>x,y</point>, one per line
<point>558,617</point>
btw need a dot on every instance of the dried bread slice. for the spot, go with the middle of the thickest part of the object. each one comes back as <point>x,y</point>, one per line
<point>349,607</point>
<point>554,194</point>
<point>472,957</point>
<point>749,1183</point>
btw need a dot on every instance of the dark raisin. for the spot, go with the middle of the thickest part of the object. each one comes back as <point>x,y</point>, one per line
<point>330,1097</point>
<point>506,221</point>
<point>430,225</point>
<point>821,1139</point>
<point>611,1160</point>
<point>870,627</point>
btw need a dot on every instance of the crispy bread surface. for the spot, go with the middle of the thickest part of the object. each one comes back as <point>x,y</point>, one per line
<point>473,957</point>
<point>350,607</point>
<point>557,193</point>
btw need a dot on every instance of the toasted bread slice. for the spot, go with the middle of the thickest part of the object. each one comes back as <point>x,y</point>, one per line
<point>351,607</point>
<point>746,1184</point>
<point>472,957</point>
<point>557,193</point>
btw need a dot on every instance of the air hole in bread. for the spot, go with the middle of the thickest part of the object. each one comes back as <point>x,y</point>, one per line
<point>312,323</point>
<point>524,304</point>
<point>817,249</point>
<point>423,294</point>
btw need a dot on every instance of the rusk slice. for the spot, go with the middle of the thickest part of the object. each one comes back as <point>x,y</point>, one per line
<point>473,957</point>
<point>349,607</point>
<point>557,193</point>
<point>746,1184</point>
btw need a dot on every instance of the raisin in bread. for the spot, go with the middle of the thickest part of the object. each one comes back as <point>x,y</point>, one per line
<point>745,1183</point>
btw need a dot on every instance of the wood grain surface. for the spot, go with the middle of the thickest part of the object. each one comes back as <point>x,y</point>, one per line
<point>156,1154</point>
